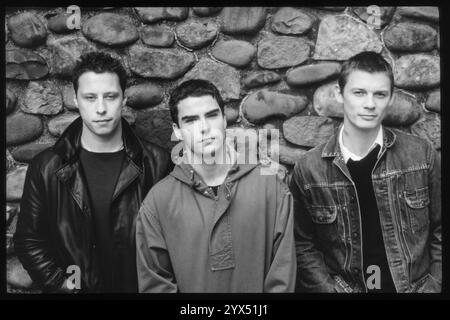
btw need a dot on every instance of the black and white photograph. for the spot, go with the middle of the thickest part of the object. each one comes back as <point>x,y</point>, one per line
<point>260,151</point>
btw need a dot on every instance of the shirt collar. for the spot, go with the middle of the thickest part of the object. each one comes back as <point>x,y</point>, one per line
<point>347,154</point>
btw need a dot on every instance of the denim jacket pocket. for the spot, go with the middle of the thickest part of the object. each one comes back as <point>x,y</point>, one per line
<point>417,207</point>
<point>326,220</point>
<point>323,214</point>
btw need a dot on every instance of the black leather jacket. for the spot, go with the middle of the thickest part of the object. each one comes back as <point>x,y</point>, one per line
<point>55,229</point>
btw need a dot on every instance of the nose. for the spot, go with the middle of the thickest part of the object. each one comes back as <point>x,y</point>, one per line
<point>100,107</point>
<point>205,126</point>
<point>370,102</point>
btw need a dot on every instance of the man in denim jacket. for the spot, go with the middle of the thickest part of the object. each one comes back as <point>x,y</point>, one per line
<point>368,201</point>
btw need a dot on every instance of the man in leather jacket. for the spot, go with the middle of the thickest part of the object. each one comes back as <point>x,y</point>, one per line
<point>76,230</point>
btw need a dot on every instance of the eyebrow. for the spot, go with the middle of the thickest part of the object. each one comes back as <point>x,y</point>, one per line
<point>362,89</point>
<point>209,113</point>
<point>105,93</point>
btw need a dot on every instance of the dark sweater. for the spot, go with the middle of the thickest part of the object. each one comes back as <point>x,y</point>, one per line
<point>102,171</point>
<point>374,252</point>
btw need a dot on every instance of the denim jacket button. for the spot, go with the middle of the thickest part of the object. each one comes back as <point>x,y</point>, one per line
<point>355,234</point>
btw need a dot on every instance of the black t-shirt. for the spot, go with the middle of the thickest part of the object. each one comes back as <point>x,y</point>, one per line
<point>374,252</point>
<point>101,171</point>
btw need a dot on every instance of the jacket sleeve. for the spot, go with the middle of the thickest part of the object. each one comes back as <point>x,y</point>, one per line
<point>160,162</point>
<point>312,274</point>
<point>282,271</point>
<point>31,242</point>
<point>434,185</point>
<point>154,268</point>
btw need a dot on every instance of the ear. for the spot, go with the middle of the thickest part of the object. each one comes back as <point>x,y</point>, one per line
<point>177,131</point>
<point>75,100</point>
<point>124,101</point>
<point>338,94</point>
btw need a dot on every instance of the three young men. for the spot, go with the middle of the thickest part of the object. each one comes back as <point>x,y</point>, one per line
<point>81,197</point>
<point>365,208</point>
<point>368,201</point>
<point>214,224</point>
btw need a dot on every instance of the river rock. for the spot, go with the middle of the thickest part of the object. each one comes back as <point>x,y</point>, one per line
<point>155,126</point>
<point>110,29</point>
<point>24,65</point>
<point>206,11</point>
<point>234,52</point>
<point>417,71</point>
<point>224,77</point>
<point>309,74</point>
<point>155,14</point>
<point>69,98</point>
<point>292,21</point>
<point>405,110</point>
<point>11,100</point>
<point>243,20</point>
<point>407,36</point>
<point>231,114</point>
<point>58,23</point>
<point>159,63</point>
<point>196,35</point>
<point>433,102</point>
<point>325,102</point>
<point>66,51</point>
<point>308,131</point>
<point>341,37</point>
<point>157,36</point>
<point>429,128</point>
<point>58,124</point>
<point>26,30</point>
<point>263,104</point>
<point>143,95</point>
<point>282,51</point>
<point>14,183</point>
<point>42,98</point>
<point>21,128</point>
<point>260,78</point>
<point>25,153</point>
<point>421,13</point>
<point>10,163</point>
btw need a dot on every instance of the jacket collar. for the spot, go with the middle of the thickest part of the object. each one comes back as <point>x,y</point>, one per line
<point>68,147</point>
<point>332,149</point>
<point>69,144</point>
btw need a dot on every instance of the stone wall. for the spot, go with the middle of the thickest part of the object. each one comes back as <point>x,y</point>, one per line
<point>275,68</point>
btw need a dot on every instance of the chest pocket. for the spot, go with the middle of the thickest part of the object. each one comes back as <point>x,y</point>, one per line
<point>323,214</point>
<point>417,202</point>
<point>327,222</point>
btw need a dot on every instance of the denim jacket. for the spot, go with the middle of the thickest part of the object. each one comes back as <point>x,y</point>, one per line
<point>407,185</point>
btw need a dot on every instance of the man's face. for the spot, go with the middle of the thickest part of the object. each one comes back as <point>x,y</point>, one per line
<point>201,125</point>
<point>100,99</point>
<point>366,98</point>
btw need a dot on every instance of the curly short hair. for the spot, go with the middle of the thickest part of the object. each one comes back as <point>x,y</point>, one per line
<point>193,88</point>
<point>99,62</point>
<point>367,61</point>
